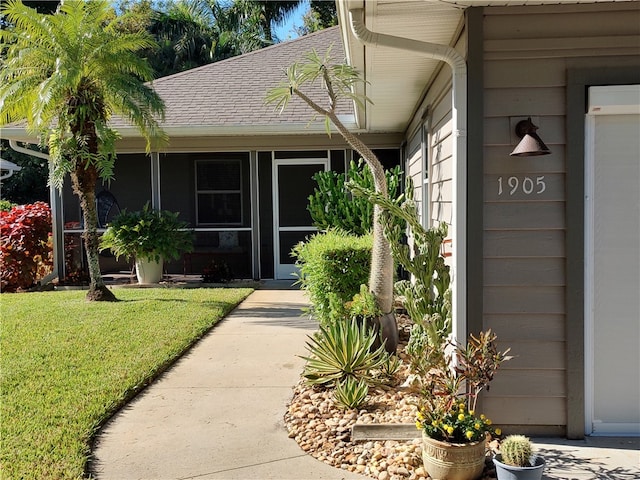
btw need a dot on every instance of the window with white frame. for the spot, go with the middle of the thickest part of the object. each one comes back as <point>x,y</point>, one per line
<point>219,192</point>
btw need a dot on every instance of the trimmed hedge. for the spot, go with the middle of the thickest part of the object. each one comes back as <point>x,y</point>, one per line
<point>332,266</point>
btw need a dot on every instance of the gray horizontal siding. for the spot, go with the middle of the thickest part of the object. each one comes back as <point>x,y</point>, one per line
<point>527,52</point>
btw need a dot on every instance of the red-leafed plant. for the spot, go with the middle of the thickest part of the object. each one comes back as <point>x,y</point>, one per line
<point>25,246</point>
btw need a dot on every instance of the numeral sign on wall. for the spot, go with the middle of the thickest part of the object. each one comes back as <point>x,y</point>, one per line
<point>527,185</point>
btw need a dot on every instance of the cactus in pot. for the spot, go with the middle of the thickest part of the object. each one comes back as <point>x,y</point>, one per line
<point>516,460</point>
<point>516,451</point>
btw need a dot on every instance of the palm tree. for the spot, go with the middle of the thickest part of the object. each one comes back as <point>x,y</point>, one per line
<point>185,34</point>
<point>65,75</point>
<point>338,81</point>
<point>266,13</point>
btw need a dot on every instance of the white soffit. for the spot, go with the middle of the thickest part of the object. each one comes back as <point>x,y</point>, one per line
<point>398,79</point>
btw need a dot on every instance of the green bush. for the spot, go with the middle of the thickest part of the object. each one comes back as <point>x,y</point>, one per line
<point>333,206</point>
<point>332,267</point>
<point>6,205</point>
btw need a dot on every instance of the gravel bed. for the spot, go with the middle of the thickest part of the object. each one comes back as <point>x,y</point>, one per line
<point>323,430</point>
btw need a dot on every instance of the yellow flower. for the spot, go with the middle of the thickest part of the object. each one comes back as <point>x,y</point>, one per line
<point>434,423</point>
<point>498,431</point>
<point>482,417</point>
<point>449,429</point>
<point>419,425</point>
<point>476,425</point>
<point>488,421</point>
<point>420,416</point>
<point>470,412</point>
<point>469,434</point>
<point>461,417</point>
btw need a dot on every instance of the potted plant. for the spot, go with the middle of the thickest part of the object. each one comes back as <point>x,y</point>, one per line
<point>149,237</point>
<point>516,460</point>
<point>454,436</point>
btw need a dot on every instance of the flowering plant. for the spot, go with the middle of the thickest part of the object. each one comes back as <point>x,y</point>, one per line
<point>449,388</point>
<point>458,425</point>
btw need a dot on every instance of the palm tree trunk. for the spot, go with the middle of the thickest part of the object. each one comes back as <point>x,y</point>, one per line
<point>381,273</point>
<point>84,181</point>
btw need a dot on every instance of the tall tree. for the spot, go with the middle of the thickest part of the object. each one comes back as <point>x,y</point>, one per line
<point>321,14</point>
<point>66,74</point>
<point>338,81</point>
<point>266,14</point>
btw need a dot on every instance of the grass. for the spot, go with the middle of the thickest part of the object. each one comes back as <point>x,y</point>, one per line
<point>66,365</point>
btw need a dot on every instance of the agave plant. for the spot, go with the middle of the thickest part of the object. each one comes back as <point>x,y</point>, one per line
<point>351,393</point>
<point>341,350</point>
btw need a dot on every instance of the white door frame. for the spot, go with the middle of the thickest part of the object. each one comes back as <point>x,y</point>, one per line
<point>610,100</point>
<point>279,272</point>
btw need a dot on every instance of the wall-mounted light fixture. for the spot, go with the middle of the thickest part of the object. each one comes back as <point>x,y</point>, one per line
<point>531,144</point>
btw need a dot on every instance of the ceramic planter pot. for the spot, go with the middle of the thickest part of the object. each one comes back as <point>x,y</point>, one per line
<point>509,472</point>
<point>148,271</point>
<point>453,461</point>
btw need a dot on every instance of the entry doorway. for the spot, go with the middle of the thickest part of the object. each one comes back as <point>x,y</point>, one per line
<point>612,261</point>
<point>293,183</point>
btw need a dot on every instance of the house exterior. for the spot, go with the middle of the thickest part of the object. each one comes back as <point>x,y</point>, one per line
<point>544,250</point>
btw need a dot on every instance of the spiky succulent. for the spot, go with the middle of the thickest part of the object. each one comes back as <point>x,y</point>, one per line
<point>516,451</point>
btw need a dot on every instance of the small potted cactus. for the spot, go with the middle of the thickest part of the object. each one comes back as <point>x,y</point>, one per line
<point>516,460</point>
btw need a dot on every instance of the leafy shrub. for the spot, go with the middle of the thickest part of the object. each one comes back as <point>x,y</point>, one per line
<point>6,205</point>
<point>147,233</point>
<point>340,350</point>
<point>350,393</point>
<point>332,266</point>
<point>25,247</point>
<point>333,206</point>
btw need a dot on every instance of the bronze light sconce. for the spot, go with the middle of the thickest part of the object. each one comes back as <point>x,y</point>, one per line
<point>531,144</point>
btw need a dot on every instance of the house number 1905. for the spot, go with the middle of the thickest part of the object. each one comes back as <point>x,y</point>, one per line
<point>527,185</point>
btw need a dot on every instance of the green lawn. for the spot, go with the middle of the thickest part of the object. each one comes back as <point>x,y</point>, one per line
<point>67,364</point>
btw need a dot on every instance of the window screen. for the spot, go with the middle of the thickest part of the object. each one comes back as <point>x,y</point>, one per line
<point>219,192</point>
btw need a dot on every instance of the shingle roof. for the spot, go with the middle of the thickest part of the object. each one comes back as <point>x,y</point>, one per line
<point>229,95</point>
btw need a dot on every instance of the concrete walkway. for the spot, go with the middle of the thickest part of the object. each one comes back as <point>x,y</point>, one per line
<point>218,412</point>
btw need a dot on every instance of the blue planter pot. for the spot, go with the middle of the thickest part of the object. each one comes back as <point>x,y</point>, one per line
<point>509,472</point>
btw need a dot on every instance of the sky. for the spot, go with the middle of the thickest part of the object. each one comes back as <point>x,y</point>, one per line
<point>287,31</point>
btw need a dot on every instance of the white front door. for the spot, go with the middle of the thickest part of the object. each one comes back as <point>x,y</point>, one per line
<point>612,261</point>
<point>293,183</point>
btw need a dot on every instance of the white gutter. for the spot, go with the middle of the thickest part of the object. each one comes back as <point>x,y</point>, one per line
<point>56,222</point>
<point>458,66</point>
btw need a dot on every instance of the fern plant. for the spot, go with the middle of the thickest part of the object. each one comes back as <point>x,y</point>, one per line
<point>340,350</point>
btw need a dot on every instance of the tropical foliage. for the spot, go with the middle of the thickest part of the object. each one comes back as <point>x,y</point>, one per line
<point>350,393</point>
<point>449,386</point>
<point>150,234</point>
<point>339,82</point>
<point>333,206</point>
<point>25,248</point>
<point>66,75</point>
<point>341,350</point>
